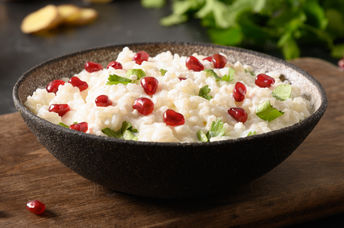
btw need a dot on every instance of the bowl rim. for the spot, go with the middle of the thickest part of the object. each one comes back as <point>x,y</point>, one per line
<point>315,115</point>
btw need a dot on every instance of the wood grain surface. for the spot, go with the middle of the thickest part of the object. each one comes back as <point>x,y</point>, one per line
<point>308,185</point>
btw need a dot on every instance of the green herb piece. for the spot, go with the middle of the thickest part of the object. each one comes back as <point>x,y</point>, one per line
<point>230,76</point>
<point>153,3</point>
<point>173,19</point>
<point>138,72</point>
<point>216,129</point>
<point>211,73</point>
<point>282,92</point>
<point>250,72</point>
<point>202,136</point>
<point>251,133</point>
<point>163,72</point>
<point>115,79</point>
<point>265,111</point>
<point>125,132</point>
<point>204,92</point>
<point>63,125</point>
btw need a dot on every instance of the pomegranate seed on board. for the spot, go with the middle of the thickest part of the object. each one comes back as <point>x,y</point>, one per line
<point>341,64</point>
<point>60,109</point>
<point>83,126</point>
<point>209,58</point>
<point>140,57</point>
<point>93,67</point>
<point>239,92</point>
<point>173,118</point>
<point>115,65</point>
<point>219,61</point>
<point>35,207</point>
<point>192,63</point>
<point>76,82</point>
<point>53,86</point>
<point>103,101</point>
<point>150,85</point>
<point>239,114</point>
<point>144,106</point>
<point>263,80</point>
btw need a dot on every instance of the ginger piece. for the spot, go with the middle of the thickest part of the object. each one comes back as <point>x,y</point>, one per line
<point>69,13</point>
<point>43,19</point>
<point>86,16</point>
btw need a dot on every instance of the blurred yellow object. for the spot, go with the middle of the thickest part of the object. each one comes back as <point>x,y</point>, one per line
<point>69,13</point>
<point>86,16</point>
<point>43,19</point>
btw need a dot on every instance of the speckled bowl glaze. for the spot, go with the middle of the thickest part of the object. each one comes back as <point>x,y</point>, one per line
<point>167,170</point>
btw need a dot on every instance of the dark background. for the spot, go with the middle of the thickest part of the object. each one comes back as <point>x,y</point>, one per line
<point>119,22</point>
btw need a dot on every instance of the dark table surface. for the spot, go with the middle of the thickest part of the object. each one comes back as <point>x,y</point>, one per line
<point>119,22</point>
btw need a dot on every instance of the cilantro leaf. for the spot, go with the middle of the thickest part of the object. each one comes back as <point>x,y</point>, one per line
<point>265,111</point>
<point>282,92</point>
<point>227,78</point>
<point>115,79</point>
<point>63,125</point>
<point>163,72</point>
<point>230,76</point>
<point>251,133</point>
<point>202,136</point>
<point>173,19</point>
<point>204,92</point>
<point>138,72</point>
<point>216,129</point>
<point>125,132</point>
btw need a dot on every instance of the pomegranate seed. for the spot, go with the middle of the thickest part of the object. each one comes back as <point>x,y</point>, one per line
<point>60,109</point>
<point>263,80</point>
<point>209,58</point>
<point>83,126</point>
<point>219,61</point>
<point>76,82</point>
<point>182,78</point>
<point>173,118</point>
<point>53,86</point>
<point>140,57</point>
<point>93,67</point>
<point>103,101</point>
<point>341,64</point>
<point>149,84</point>
<point>239,92</point>
<point>35,207</point>
<point>239,114</point>
<point>192,63</point>
<point>115,65</point>
<point>144,106</point>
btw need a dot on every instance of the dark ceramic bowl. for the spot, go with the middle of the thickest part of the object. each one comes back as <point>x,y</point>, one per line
<point>167,170</point>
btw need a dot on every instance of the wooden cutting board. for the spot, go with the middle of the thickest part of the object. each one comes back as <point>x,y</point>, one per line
<point>308,185</point>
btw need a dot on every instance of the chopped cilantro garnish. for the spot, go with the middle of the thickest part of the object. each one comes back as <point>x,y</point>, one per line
<point>115,79</point>
<point>250,72</point>
<point>126,132</point>
<point>63,125</point>
<point>138,72</point>
<point>216,129</point>
<point>163,72</point>
<point>282,92</point>
<point>210,72</point>
<point>204,92</point>
<point>265,111</point>
<point>251,133</point>
<point>202,136</point>
<point>227,78</point>
<point>230,76</point>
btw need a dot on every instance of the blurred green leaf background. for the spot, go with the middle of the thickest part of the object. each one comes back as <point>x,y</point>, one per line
<point>265,24</point>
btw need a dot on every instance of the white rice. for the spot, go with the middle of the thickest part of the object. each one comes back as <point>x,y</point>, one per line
<point>181,96</point>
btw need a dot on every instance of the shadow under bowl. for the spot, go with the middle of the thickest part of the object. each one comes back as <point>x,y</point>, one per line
<point>167,170</point>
